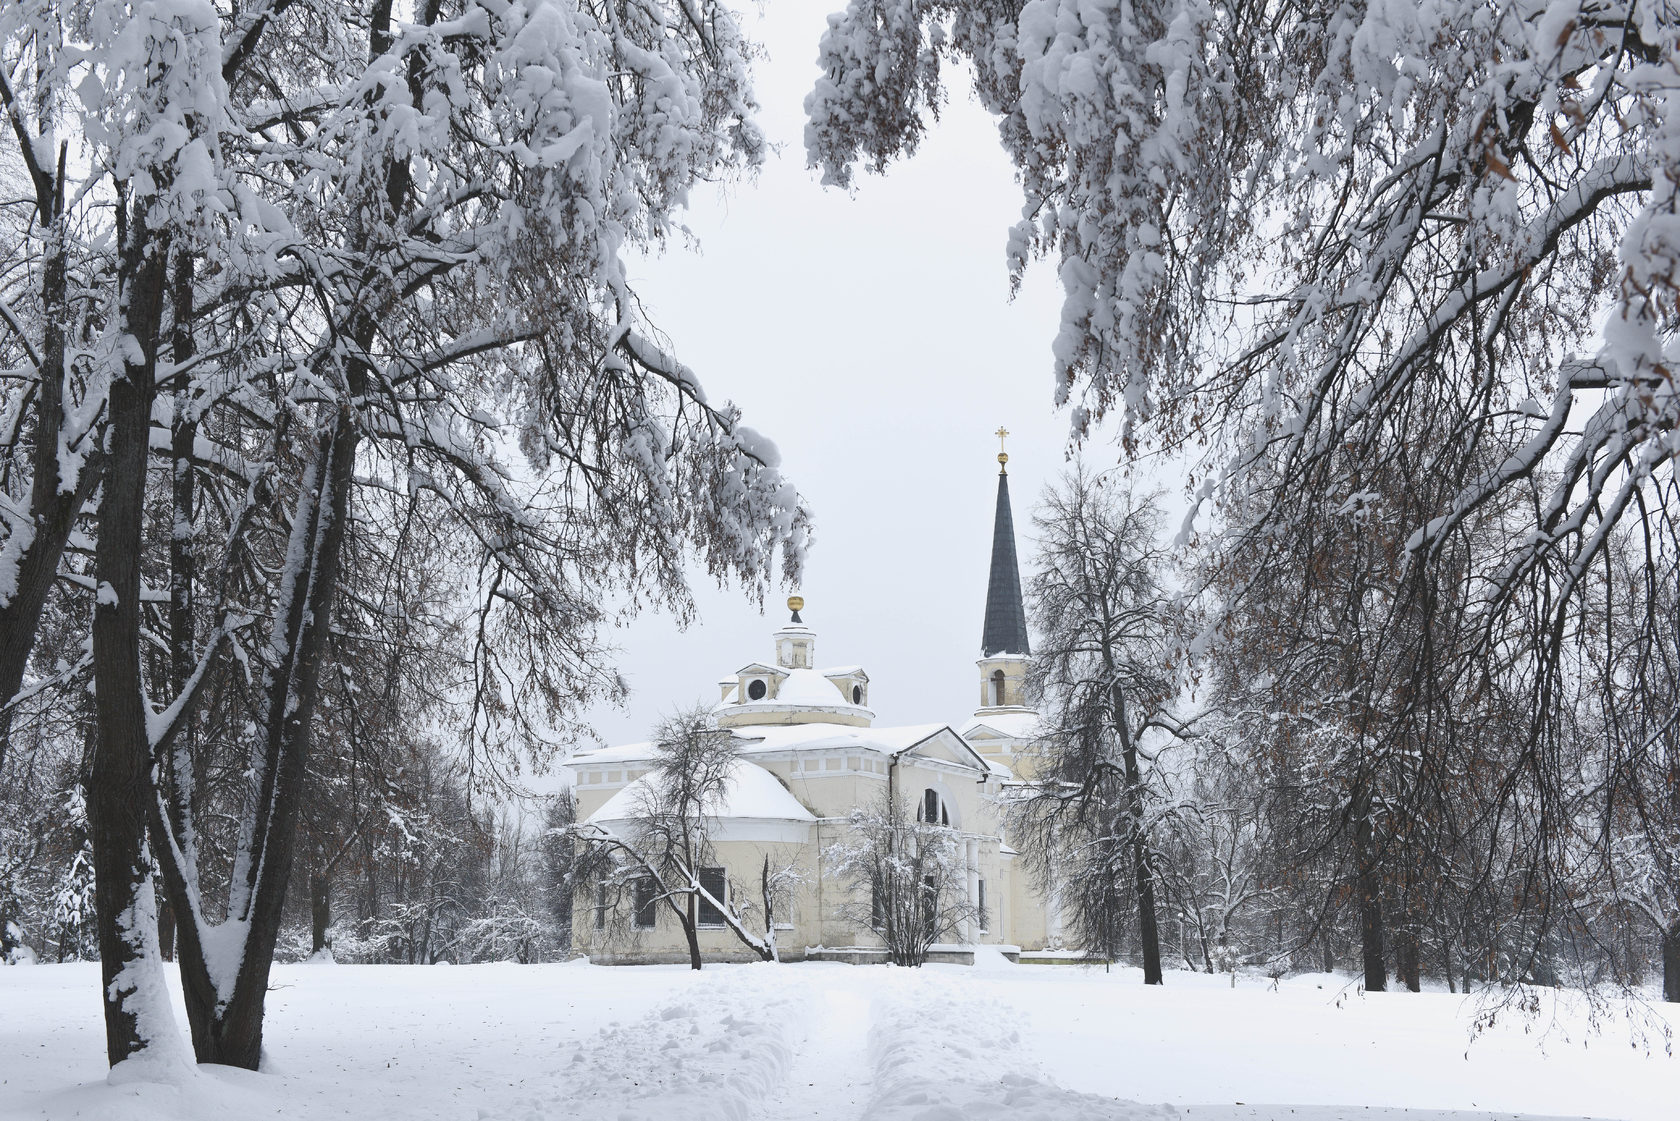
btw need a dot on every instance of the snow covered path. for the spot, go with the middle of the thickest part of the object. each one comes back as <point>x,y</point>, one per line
<point>830,1078</point>
<point>829,1042</point>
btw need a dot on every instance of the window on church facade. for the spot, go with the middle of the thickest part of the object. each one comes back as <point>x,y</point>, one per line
<point>997,687</point>
<point>600,906</point>
<point>713,880</point>
<point>930,806</point>
<point>857,694</point>
<point>756,689</point>
<point>980,905</point>
<point>647,903</point>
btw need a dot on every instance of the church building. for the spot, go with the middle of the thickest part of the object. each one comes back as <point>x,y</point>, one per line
<point>809,755</point>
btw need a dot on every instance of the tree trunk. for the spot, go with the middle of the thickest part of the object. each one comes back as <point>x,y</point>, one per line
<point>120,789</point>
<point>1671,961</point>
<point>320,911</point>
<point>1368,888</point>
<point>691,929</point>
<point>1406,960</point>
<point>166,930</point>
<point>52,508</point>
<point>1148,932</point>
<point>226,1012</point>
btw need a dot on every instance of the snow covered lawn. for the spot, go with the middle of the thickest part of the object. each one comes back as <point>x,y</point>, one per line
<point>946,1043</point>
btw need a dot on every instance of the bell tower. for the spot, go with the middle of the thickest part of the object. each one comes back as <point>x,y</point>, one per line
<point>1004,647</point>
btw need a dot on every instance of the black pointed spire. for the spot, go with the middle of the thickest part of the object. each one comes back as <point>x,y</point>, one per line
<point>1006,618</point>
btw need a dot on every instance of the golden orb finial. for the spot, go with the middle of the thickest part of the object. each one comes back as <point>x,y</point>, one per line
<point>796,604</point>
<point>1003,456</point>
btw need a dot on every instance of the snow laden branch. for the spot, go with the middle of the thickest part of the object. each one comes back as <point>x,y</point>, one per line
<point>1399,283</point>
<point>327,287</point>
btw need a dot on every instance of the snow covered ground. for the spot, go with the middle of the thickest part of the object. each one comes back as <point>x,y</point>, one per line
<point>840,1043</point>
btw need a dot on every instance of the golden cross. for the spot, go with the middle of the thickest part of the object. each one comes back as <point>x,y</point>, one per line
<point>1001,434</point>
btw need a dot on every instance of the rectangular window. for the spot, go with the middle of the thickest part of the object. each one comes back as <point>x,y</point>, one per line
<point>877,907</point>
<point>600,906</point>
<point>781,906</point>
<point>647,903</point>
<point>980,904</point>
<point>713,880</point>
<point>831,764</point>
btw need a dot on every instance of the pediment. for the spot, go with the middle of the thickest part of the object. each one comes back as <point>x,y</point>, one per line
<point>947,747</point>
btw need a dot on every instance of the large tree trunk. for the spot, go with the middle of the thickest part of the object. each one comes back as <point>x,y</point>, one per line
<point>1368,888</point>
<point>1671,961</point>
<point>120,790</point>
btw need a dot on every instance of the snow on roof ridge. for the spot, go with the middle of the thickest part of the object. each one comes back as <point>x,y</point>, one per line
<point>751,792</point>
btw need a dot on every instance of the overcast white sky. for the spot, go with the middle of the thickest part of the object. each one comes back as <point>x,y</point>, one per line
<point>873,338</point>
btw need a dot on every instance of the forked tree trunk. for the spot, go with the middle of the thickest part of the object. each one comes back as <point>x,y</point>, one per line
<point>225,999</point>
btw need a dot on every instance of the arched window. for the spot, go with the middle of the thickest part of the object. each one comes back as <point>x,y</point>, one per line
<point>997,687</point>
<point>857,694</point>
<point>930,806</point>
<point>756,689</point>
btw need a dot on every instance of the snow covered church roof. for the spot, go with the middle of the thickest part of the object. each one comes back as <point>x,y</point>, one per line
<point>751,793</point>
<point>769,739</point>
<point>1003,725</point>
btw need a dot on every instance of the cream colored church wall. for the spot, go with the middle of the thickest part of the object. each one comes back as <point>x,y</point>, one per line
<point>743,862</point>
<point>826,911</point>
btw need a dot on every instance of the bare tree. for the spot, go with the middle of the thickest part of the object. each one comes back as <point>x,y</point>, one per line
<point>907,878</point>
<point>666,841</point>
<point>1104,677</point>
